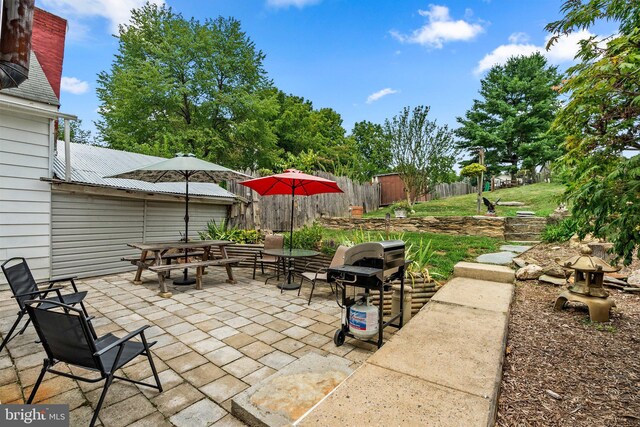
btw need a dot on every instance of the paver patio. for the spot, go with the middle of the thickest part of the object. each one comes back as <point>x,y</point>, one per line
<point>212,344</point>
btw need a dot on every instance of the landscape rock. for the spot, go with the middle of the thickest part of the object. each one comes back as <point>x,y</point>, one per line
<point>519,262</point>
<point>553,280</point>
<point>510,203</point>
<point>609,279</point>
<point>515,248</point>
<point>555,271</point>
<point>529,272</point>
<point>634,278</point>
<point>499,258</point>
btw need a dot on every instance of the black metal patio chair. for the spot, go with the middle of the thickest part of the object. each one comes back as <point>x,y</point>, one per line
<point>24,287</point>
<point>66,337</point>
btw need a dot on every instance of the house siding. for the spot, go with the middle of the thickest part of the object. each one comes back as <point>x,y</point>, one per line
<point>25,200</point>
<point>90,232</point>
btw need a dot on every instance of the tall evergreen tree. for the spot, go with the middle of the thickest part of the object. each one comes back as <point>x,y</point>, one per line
<point>511,121</point>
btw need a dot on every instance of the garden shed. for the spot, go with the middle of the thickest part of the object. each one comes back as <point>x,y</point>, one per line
<point>93,218</point>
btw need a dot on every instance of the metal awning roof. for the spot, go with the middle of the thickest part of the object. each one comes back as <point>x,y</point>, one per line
<point>90,164</point>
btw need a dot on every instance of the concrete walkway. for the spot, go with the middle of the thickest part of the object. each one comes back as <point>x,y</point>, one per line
<point>443,368</point>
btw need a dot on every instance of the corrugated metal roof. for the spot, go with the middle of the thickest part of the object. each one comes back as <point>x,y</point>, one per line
<point>90,164</point>
<point>36,87</point>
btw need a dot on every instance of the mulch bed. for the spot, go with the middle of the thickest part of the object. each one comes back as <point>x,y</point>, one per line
<point>562,370</point>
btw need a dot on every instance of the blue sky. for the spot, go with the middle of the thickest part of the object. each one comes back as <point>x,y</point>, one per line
<point>366,59</point>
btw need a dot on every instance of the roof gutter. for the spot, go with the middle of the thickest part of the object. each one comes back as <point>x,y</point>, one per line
<point>82,187</point>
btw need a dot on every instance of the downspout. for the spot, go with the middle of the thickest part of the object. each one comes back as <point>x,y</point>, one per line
<point>67,151</point>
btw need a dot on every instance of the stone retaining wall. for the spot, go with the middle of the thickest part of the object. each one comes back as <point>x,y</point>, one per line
<point>466,225</point>
<point>497,227</point>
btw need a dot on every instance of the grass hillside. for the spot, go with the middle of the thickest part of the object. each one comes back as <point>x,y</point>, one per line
<point>446,250</point>
<point>539,198</point>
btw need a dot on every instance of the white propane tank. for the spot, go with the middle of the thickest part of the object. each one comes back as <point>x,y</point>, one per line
<point>363,319</point>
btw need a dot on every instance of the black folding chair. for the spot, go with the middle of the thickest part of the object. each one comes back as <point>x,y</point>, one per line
<point>24,287</point>
<point>66,337</point>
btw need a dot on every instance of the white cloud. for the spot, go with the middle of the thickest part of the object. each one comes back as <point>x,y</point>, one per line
<point>297,3</point>
<point>520,37</point>
<point>73,85</point>
<point>115,11</point>
<point>379,94</point>
<point>440,28</point>
<point>564,50</point>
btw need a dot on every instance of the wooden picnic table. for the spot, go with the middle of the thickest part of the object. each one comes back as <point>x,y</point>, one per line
<point>160,249</point>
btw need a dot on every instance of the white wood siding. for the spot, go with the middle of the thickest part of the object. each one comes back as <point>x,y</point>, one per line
<point>25,201</point>
<point>90,232</point>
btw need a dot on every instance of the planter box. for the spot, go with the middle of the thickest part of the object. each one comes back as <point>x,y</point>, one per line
<point>356,211</point>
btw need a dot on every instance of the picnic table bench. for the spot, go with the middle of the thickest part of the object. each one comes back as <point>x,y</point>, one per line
<point>199,266</point>
<point>158,252</point>
<point>168,258</point>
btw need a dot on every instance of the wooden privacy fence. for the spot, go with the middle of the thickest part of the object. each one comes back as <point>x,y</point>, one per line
<point>274,212</point>
<point>444,190</point>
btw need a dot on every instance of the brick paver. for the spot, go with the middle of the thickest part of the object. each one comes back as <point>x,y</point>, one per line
<point>211,345</point>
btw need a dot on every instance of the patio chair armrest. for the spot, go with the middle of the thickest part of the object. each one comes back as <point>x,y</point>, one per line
<point>70,279</point>
<point>320,271</point>
<point>139,331</point>
<point>61,279</point>
<point>39,292</point>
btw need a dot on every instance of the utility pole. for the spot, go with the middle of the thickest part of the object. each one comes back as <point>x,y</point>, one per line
<point>481,179</point>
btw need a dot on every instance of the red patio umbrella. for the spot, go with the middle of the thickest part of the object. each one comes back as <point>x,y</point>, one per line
<point>293,182</point>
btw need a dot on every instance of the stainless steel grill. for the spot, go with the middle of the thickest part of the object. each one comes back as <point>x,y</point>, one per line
<point>360,261</point>
<point>371,266</point>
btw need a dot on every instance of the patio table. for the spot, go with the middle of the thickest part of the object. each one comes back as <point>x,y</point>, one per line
<point>290,254</point>
<point>159,249</point>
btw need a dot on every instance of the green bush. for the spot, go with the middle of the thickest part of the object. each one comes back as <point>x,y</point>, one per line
<point>401,204</point>
<point>560,232</point>
<point>307,237</point>
<point>223,232</point>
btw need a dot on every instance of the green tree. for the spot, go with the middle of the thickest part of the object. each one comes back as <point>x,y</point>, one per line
<point>373,149</point>
<point>602,120</point>
<point>182,85</point>
<point>512,119</point>
<point>309,138</point>
<point>422,152</point>
<point>77,133</point>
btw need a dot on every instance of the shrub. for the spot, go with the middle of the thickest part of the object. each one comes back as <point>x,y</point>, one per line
<point>560,232</point>
<point>401,204</point>
<point>307,237</point>
<point>223,232</point>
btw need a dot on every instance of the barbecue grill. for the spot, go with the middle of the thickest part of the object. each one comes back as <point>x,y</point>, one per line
<point>372,266</point>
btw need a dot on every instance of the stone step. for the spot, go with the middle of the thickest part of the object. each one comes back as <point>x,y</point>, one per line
<point>489,272</point>
<point>520,237</point>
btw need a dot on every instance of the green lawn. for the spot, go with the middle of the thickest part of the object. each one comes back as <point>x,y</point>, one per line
<point>539,198</point>
<point>447,249</point>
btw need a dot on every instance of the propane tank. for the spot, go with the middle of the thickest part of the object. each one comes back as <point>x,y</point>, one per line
<point>363,319</point>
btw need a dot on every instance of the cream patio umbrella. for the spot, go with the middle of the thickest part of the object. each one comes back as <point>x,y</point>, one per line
<point>187,168</point>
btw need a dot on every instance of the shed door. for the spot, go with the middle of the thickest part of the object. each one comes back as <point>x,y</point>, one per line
<point>89,234</point>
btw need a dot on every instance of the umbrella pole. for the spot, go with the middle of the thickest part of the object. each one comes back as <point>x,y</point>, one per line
<point>186,280</point>
<point>293,192</point>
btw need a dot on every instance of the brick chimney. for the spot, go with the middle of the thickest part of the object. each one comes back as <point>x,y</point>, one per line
<point>47,41</point>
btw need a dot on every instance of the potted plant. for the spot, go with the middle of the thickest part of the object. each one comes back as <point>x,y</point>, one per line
<point>401,208</point>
